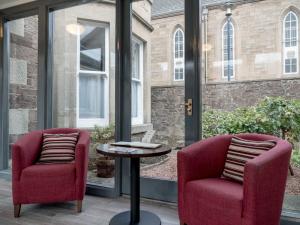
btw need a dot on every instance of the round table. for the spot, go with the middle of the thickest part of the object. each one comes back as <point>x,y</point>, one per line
<point>135,216</point>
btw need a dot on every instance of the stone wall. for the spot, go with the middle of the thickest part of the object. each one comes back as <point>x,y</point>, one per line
<point>168,102</point>
<point>167,113</point>
<point>23,76</point>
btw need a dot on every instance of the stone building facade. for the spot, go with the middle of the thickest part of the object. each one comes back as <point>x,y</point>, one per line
<point>257,46</point>
<point>259,53</point>
<point>23,79</point>
<point>65,61</point>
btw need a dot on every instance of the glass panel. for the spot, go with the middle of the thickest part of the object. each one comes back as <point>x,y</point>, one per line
<point>92,46</point>
<point>136,60</point>
<point>91,96</point>
<point>263,95</point>
<point>23,77</point>
<point>135,97</point>
<point>84,84</point>
<point>163,84</point>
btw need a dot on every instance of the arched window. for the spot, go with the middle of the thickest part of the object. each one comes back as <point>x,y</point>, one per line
<point>228,50</point>
<point>178,55</point>
<point>290,43</point>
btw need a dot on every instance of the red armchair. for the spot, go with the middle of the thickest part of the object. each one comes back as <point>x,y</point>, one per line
<point>35,183</point>
<point>204,198</point>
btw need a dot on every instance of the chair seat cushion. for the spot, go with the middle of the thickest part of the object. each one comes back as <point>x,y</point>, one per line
<point>58,148</point>
<point>240,151</point>
<point>214,201</point>
<point>48,183</point>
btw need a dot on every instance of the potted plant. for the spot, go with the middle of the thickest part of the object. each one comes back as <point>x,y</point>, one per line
<point>105,165</point>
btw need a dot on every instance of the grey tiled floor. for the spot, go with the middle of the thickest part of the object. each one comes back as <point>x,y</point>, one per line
<point>96,210</point>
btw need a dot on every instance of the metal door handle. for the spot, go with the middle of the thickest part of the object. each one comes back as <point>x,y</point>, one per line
<point>189,107</point>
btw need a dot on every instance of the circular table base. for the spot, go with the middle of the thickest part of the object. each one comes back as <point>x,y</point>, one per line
<point>146,218</point>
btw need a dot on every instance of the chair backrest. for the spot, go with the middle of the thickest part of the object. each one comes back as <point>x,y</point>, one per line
<point>61,130</point>
<point>257,137</point>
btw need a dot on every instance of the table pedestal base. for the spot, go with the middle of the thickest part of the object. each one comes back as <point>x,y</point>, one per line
<point>146,218</point>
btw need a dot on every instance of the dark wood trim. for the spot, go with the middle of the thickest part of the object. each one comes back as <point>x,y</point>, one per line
<point>4,88</point>
<point>123,70</point>
<point>123,80</point>
<point>49,73</point>
<point>193,73</point>
<point>43,18</point>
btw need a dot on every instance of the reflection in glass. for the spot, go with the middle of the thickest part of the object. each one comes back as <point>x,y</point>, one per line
<point>92,48</point>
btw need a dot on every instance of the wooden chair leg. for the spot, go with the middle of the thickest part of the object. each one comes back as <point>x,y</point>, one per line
<point>79,206</point>
<point>291,170</point>
<point>17,210</point>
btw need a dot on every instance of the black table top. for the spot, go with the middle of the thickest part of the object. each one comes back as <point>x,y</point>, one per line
<point>120,151</point>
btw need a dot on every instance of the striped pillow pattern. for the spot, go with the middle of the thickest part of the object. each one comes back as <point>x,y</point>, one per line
<point>240,152</point>
<point>58,148</point>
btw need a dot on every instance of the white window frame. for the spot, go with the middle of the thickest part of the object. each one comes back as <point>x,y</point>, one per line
<point>177,61</point>
<point>91,122</point>
<point>291,48</point>
<point>233,51</point>
<point>140,118</point>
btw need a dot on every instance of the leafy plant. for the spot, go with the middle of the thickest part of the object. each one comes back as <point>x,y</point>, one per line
<point>296,157</point>
<point>276,116</point>
<point>103,134</point>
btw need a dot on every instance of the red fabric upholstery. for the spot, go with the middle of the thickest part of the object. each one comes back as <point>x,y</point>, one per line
<point>48,183</point>
<point>209,197</point>
<point>204,198</point>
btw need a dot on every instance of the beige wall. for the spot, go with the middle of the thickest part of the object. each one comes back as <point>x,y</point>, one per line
<point>258,40</point>
<point>65,60</point>
<point>163,49</point>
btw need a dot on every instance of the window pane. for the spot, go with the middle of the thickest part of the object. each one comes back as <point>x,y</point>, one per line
<point>84,79</point>
<point>23,78</point>
<point>263,56</point>
<point>228,43</point>
<point>135,60</point>
<point>92,47</point>
<point>135,102</point>
<point>91,96</point>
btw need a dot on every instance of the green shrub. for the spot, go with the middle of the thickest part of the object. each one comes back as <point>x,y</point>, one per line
<point>276,116</point>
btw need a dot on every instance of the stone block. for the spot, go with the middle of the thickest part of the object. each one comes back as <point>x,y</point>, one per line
<point>18,71</point>
<point>18,121</point>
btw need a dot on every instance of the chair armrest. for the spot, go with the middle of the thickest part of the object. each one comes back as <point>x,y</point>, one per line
<point>25,152</point>
<point>81,163</point>
<point>201,160</point>
<point>264,185</point>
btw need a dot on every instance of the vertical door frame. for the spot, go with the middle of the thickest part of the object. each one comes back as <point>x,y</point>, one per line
<point>4,99</point>
<point>193,85</point>
<point>123,82</point>
<point>166,190</point>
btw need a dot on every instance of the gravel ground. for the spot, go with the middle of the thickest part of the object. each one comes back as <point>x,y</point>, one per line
<point>166,170</point>
<point>293,182</point>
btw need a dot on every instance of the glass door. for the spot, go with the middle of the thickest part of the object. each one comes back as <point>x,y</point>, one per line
<point>21,81</point>
<point>251,76</point>
<point>158,94</point>
<point>83,68</point>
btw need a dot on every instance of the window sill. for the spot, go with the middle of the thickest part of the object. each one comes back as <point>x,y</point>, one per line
<point>141,128</point>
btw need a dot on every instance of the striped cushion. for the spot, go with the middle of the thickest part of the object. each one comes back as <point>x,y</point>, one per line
<point>58,148</point>
<point>240,152</point>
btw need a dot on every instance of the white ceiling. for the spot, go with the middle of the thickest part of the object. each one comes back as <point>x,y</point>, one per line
<point>8,3</point>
